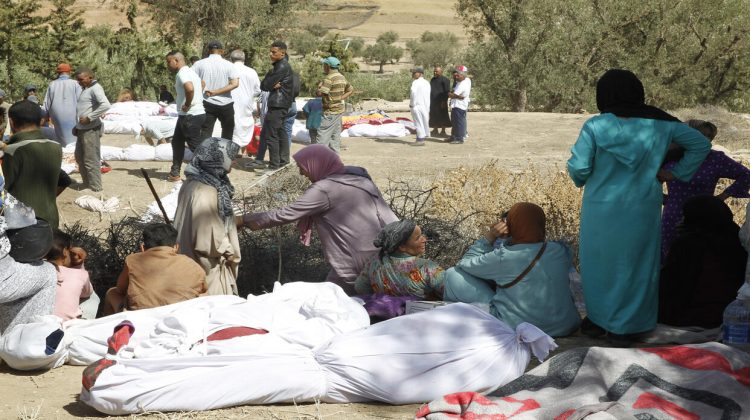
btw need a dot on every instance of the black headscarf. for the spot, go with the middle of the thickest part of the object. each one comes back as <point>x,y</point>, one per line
<point>393,235</point>
<point>620,92</point>
<point>30,244</point>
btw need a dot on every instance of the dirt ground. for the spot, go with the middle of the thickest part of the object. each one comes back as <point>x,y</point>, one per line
<point>512,139</point>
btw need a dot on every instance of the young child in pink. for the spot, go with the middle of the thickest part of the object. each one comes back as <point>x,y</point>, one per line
<point>73,284</point>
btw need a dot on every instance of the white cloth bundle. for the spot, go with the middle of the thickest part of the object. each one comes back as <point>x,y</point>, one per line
<point>92,203</point>
<point>112,153</point>
<point>317,349</point>
<point>383,130</point>
<point>136,152</point>
<point>130,109</point>
<point>24,346</point>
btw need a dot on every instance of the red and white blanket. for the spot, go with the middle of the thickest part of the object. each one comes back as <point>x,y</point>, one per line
<point>705,381</point>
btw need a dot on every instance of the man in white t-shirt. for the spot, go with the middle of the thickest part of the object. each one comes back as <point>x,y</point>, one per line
<point>459,101</point>
<point>189,104</point>
<point>244,99</point>
<point>220,78</point>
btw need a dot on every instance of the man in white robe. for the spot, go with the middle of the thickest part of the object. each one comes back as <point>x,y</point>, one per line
<point>419,102</point>
<point>245,97</point>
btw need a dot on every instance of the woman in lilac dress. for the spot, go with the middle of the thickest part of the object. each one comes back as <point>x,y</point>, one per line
<point>343,205</point>
<point>716,166</point>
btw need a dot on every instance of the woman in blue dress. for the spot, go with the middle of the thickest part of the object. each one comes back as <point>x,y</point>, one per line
<point>617,158</point>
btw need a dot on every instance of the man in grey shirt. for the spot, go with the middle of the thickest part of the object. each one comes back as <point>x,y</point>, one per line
<point>220,78</point>
<point>92,104</point>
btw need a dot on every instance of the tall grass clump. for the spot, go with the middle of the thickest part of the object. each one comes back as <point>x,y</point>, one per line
<point>389,87</point>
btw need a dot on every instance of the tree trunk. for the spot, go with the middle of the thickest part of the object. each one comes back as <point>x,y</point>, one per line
<point>381,67</point>
<point>9,68</point>
<point>518,99</point>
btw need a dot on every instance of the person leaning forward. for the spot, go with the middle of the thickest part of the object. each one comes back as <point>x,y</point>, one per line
<point>334,90</point>
<point>280,85</point>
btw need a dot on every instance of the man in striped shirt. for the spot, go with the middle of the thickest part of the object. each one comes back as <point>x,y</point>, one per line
<point>334,90</point>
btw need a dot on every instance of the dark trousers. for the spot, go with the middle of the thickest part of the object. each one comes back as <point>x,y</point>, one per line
<point>225,115</point>
<point>458,118</point>
<point>261,146</point>
<point>276,137</point>
<point>187,130</point>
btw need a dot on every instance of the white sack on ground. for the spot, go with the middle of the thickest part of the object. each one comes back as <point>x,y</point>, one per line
<point>394,362</point>
<point>25,346</point>
<point>159,129</point>
<point>383,130</point>
<point>137,152</point>
<point>124,126</point>
<point>91,203</point>
<point>112,153</point>
<point>169,202</point>
<point>412,358</point>
<point>300,133</point>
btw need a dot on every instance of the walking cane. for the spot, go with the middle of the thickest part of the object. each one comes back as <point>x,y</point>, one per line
<point>156,196</point>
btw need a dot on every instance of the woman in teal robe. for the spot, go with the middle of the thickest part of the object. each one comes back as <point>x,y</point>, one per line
<point>617,157</point>
<point>492,272</point>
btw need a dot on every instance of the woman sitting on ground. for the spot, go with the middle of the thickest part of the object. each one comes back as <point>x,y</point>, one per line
<point>523,277</point>
<point>716,166</point>
<point>204,218</point>
<point>27,282</point>
<point>398,270</point>
<point>344,206</point>
<point>73,283</point>
<point>704,267</point>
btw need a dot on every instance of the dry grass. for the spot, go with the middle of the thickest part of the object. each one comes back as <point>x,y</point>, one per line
<point>734,129</point>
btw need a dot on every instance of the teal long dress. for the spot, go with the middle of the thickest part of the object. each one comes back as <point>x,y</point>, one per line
<point>542,298</point>
<point>617,160</point>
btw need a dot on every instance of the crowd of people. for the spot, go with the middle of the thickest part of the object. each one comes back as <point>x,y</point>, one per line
<point>640,264</point>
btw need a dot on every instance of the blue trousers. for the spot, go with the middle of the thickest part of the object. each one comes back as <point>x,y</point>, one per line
<point>458,119</point>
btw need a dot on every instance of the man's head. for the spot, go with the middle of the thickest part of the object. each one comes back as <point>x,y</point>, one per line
<point>29,90</point>
<point>64,68</point>
<point>175,61</point>
<point>278,51</point>
<point>237,56</point>
<point>330,63</point>
<point>162,88</point>
<point>417,72</point>
<point>159,234</point>
<point>194,59</point>
<point>215,47</point>
<point>24,115</point>
<point>438,71</point>
<point>459,73</point>
<point>84,76</point>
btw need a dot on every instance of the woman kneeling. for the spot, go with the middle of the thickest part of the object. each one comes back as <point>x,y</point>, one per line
<point>521,277</point>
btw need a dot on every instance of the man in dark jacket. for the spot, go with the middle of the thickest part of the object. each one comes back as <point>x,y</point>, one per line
<point>279,82</point>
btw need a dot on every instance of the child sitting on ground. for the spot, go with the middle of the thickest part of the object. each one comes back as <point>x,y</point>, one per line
<point>157,276</point>
<point>73,284</point>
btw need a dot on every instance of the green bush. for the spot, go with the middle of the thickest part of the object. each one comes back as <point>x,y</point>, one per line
<point>391,87</point>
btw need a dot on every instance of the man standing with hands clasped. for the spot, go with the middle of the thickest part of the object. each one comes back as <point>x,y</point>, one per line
<point>220,78</point>
<point>191,115</point>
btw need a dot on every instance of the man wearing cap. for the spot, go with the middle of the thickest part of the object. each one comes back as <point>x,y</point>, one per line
<point>419,103</point>
<point>29,91</point>
<point>220,78</point>
<point>334,90</point>
<point>459,98</point>
<point>3,114</point>
<point>91,105</point>
<point>279,83</point>
<point>244,99</point>
<point>31,163</point>
<point>60,104</point>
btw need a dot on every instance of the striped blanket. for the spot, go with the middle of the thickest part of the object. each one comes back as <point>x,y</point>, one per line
<point>705,381</point>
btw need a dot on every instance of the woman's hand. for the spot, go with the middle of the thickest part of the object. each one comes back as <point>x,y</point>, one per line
<point>498,230</point>
<point>665,176</point>
<point>78,256</point>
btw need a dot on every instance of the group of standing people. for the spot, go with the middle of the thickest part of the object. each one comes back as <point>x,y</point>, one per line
<point>428,102</point>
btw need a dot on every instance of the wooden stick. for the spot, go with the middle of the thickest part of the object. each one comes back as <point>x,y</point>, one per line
<point>156,196</point>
